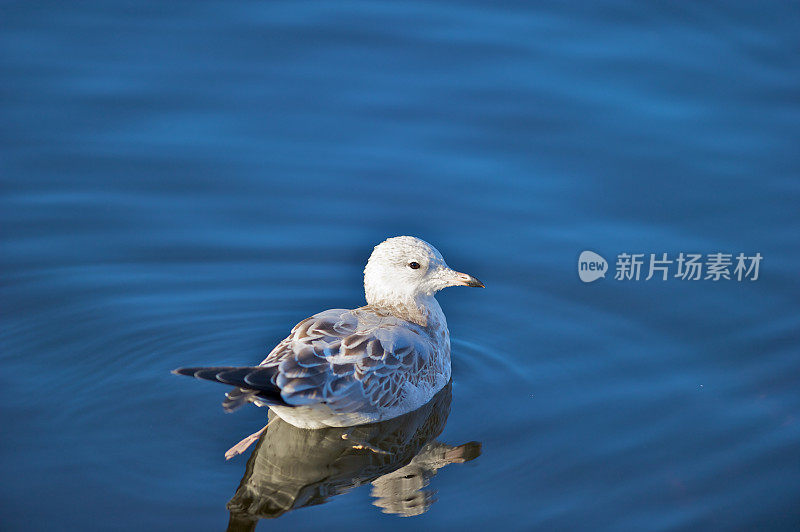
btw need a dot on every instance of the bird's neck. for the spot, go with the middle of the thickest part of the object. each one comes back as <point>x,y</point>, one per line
<point>421,309</point>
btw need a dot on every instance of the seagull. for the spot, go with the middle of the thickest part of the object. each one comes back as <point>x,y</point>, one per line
<point>348,367</point>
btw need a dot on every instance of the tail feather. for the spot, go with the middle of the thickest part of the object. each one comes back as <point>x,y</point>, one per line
<point>255,381</point>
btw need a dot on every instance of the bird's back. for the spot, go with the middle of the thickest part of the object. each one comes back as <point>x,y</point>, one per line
<point>342,367</point>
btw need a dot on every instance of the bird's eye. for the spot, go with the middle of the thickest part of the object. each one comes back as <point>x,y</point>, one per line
<point>413,265</point>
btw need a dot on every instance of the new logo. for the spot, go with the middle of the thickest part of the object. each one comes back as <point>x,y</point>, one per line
<point>591,266</point>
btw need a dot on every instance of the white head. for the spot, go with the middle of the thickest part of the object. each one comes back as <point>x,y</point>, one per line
<point>404,271</point>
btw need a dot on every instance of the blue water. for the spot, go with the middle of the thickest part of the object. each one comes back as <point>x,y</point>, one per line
<point>182,182</point>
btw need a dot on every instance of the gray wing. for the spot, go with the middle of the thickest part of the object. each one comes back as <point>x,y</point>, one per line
<point>348,359</point>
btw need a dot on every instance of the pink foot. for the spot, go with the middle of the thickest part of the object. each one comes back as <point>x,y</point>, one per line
<point>242,446</point>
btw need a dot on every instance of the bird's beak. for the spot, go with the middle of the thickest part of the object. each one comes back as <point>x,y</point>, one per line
<point>463,279</point>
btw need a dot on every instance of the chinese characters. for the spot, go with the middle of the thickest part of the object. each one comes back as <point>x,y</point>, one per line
<point>687,267</point>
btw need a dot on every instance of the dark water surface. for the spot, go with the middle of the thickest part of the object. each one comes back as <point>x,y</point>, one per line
<point>184,181</point>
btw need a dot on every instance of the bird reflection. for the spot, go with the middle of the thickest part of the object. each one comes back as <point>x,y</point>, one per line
<point>291,468</point>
